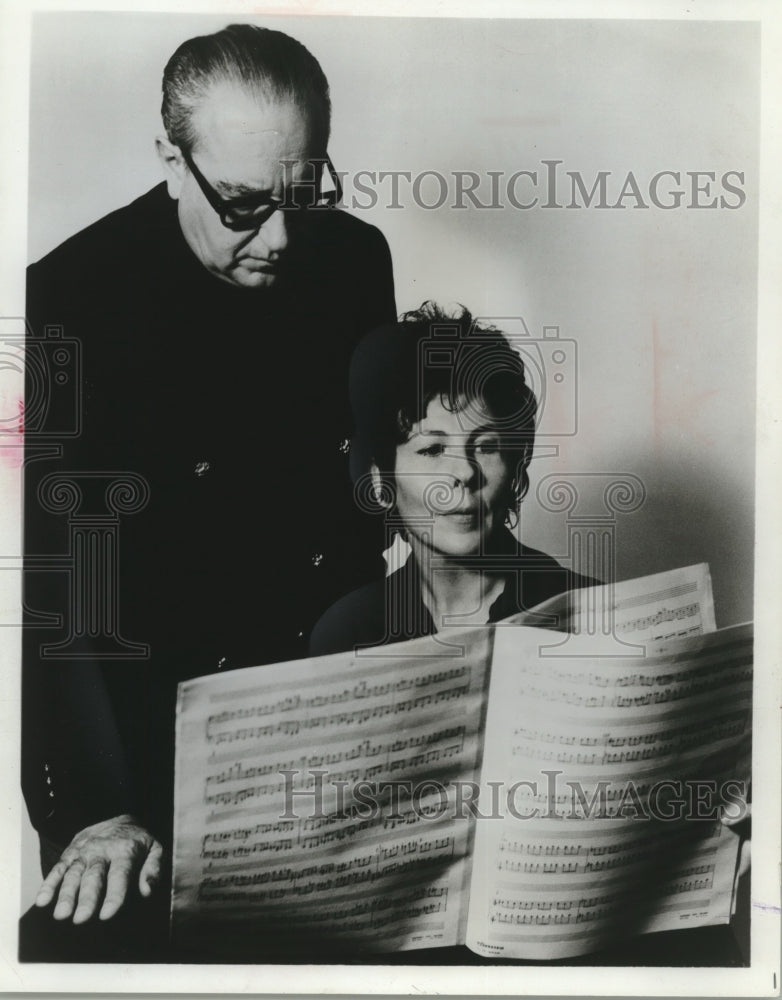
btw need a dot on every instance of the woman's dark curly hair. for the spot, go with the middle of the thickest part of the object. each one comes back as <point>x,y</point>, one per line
<point>399,369</point>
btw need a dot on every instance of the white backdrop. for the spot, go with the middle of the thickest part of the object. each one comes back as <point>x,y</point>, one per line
<point>661,303</point>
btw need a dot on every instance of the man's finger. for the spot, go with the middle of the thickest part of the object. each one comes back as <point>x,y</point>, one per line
<point>150,873</point>
<point>90,891</point>
<point>116,887</point>
<point>69,890</point>
<point>49,886</point>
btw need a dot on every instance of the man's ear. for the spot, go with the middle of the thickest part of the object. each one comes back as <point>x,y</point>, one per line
<point>173,165</point>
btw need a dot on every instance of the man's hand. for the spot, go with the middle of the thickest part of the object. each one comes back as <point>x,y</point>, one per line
<point>105,856</point>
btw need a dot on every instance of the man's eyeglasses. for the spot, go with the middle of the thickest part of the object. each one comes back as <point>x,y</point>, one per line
<point>251,212</point>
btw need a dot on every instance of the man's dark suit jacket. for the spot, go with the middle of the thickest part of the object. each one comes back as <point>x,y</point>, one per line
<point>237,527</point>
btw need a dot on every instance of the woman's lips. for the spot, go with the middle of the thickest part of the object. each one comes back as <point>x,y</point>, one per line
<point>468,515</point>
<point>256,264</point>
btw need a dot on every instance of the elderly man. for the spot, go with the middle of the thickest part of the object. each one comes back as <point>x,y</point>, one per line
<point>215,317</point>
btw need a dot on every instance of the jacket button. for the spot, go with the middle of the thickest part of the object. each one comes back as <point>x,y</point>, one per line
<point>344,446</point>
<point>317,559</point>
<point>202,468</point>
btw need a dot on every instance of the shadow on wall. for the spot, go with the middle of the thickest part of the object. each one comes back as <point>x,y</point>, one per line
<point>696,514</point>
<point>690,514</point>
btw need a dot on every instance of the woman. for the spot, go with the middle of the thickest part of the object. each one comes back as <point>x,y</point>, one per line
<point>444,429</point>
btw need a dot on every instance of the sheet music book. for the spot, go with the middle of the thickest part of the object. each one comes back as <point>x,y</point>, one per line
<point>527,793</point>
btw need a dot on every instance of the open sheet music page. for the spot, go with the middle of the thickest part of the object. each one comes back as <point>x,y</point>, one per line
<point>677,602</point>
<point>271,839</point>
<point>613,770</point>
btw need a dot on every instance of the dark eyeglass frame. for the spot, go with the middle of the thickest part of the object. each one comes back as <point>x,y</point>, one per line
<point>225,207</point>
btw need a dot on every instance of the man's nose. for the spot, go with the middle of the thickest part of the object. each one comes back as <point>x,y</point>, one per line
<point>274,233</point>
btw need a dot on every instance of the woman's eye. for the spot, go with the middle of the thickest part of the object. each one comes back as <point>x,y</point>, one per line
<point>431,450</point>
<point>487,446</point>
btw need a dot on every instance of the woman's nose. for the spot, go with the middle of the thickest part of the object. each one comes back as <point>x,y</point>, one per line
<point>462,468</point>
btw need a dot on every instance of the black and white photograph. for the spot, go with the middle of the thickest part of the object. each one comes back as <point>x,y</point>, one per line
<point>388,429</point>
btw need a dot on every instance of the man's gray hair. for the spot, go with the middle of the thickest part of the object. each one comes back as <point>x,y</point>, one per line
<point>268,62</point>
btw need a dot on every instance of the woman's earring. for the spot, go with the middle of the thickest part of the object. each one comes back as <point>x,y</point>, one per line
<point>382,495</point>
<point>512,517</point>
